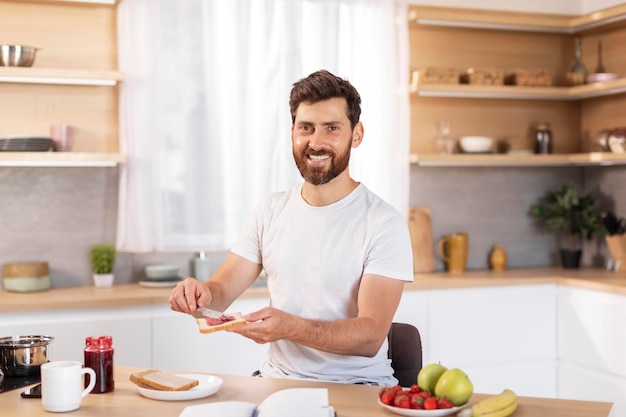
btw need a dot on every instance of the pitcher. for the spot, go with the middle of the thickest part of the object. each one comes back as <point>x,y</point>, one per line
<point>453,250</point>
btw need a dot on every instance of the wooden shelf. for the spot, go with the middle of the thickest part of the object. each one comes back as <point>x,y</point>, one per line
<point>516,21</point>
<point>506,160</point>
<point>86,2</point>
<point>60,159</point>
<point>580,92</point>
<point>59,76</point>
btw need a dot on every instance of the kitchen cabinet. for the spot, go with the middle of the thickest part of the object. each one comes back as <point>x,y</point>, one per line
<point>131,328</point>
<point>591,345</point>
<point>73,80</point>
<point>464,38</point>
<point>177,343</point>
<point>503,337</point>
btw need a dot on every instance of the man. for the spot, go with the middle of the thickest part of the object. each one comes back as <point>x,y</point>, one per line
<point>336,255</point>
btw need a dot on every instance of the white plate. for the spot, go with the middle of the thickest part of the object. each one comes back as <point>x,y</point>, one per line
<point>207,385</point>
<point>422,413</point>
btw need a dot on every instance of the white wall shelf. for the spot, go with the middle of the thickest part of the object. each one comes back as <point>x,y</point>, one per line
<point>87,2</point>
<point>507,160</point>
<point>59,76</point>
<point>580,92</point>
<point>517,21</point>
<point>60,159</point>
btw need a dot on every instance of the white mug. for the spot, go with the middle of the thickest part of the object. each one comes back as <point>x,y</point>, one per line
<point>62,385</point>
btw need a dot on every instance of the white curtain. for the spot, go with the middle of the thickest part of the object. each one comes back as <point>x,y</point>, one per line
<point>205,120</point>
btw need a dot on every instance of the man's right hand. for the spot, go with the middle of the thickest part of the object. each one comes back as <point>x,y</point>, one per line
<point>188,295</point>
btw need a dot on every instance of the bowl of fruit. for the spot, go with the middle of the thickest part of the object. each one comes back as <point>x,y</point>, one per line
<point>439,392</point>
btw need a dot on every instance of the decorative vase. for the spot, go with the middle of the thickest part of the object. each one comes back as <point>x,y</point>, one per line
<point>617,248</point>
<point>498,258</point>
<point>103,280</point>
<point>578,72</point>
<point>570,259</point>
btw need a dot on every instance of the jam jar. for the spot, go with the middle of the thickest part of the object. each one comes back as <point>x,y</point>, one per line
<point>99,357</point>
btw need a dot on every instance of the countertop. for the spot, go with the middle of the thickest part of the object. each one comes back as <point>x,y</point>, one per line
<point>348,400</point>
<point>133,294</point>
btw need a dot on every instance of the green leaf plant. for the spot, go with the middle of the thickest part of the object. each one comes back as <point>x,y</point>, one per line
<point>567,211</point>
<point>102,258</point>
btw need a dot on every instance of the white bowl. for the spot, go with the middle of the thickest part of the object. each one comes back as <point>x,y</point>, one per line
<point>476,144</point>
<point>162,271</point>
<point>598,77</point>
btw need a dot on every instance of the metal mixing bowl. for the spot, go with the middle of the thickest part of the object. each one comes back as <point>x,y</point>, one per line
<point>23,355</point>
<point>17,55</point>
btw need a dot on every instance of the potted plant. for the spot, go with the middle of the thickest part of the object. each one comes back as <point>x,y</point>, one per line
<point>102,262</point>
<point>615,238</point>
<point>573,216</point>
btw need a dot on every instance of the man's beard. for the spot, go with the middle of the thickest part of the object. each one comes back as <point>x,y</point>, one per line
<point>318,175</point>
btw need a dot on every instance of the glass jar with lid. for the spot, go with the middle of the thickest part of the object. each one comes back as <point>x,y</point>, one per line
<point>542,137</point>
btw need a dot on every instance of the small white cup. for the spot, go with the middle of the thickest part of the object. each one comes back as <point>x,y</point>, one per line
<point>62,385</point>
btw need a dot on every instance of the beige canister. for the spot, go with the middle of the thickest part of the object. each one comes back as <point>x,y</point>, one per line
<point>26,276</point>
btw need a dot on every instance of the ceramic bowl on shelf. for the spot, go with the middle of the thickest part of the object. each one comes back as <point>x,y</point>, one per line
<point>476,144</point>
<point>162,272</point>
<point>598,77</point>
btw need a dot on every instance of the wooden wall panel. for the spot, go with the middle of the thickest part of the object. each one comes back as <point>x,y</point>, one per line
<point>70,36</point>
<point>33,108</point>
<point>508,120</point>
<point>574,123</point>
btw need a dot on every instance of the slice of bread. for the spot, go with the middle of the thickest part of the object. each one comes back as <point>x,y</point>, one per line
<point>209,325</point>
<point>162,381</point>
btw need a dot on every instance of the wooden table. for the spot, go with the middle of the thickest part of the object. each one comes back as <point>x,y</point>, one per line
<point>348,400</point>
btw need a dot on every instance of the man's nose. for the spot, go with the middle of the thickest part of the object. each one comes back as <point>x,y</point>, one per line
<point>316,140</point>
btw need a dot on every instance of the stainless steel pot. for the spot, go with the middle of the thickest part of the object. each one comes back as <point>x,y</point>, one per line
<point>23,355</point>
<point>17,55</point>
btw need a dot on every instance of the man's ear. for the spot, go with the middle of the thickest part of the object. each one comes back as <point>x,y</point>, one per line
<point>357,134</point>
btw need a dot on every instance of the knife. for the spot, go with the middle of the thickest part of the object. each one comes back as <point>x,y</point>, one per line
<point>207,312</point>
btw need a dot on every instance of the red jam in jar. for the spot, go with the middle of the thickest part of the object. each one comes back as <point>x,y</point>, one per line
<point>99,357</point>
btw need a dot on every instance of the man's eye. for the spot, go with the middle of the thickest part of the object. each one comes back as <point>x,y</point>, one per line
<point>305,128</point>
<point>333,128</point>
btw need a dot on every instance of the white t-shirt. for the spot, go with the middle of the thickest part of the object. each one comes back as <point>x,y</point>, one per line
<point>314,258</point>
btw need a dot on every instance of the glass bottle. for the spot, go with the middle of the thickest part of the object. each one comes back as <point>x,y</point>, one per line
<point>201,267</point>
<point>443,142</point>
<point>578,65</point>
<point>99,357</point>
<point>577,72</point>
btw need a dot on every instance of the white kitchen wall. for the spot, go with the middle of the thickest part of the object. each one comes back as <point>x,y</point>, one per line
<point>588,6</point>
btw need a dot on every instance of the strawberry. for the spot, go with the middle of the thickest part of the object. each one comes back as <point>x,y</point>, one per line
<point>402,400</point>
<point>387,396</point>
<point>430,403</point>
<point>417,402</point>
<point>396,388</point>
<point>414,389</point>
<point>443,402</point>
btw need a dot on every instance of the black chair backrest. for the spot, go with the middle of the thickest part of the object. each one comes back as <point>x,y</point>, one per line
<point>405,352</point>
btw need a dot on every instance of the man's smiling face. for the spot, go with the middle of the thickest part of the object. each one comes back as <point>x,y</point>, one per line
<point>321,139</point>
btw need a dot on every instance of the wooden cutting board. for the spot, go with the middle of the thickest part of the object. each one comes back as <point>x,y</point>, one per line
<point>421,231</point>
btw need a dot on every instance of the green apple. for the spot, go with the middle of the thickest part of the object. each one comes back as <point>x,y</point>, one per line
<point>428,376</point>
<point>455,385</point>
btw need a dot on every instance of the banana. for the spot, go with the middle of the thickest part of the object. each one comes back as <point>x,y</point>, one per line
<point>501,405</point>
